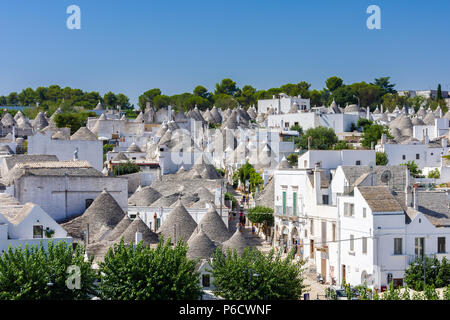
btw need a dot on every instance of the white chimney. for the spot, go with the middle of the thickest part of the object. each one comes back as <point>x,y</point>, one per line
<point>138,237</point>
<point>317,183</point>
<point>407,192</point>
<point>416,200</point>
<point>426,138</point>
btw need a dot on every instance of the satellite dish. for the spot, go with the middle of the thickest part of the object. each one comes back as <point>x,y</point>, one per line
<point>386,176</point>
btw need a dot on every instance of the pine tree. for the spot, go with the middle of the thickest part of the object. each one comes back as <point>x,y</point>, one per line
<point>439,93</point>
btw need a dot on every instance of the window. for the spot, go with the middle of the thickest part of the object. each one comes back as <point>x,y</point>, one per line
<point>358,162</point>
<point>352,242</point>
<point>364,212</point>
<point>88,202</point>
<point>206,280</point>
<point>441,245</point>
<point>306,233</point>
<point>333,231</point>
<point>38,232</point>
<point>284,202</point>
<point>349,209</point>
<point>419,247</point>
<point>305,164</point>
<point>417,156</point>
<point>398,246</point>
<point>325,199</point>
<point>403,157</point>
<point>294,203</point>
<point>364,245</point>
<point>286,124</point>
<point>296,123</point>
<point>158,223</point>
<point>311,227</point>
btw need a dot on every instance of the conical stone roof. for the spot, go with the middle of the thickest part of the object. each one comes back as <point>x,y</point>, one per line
<point>40,122</point>
<point>200,246</point>
<point>179,224</point>
<point>429,119</point>
<point>120,157</point>
<point>84,134</point>
<point>214,227</point>
<point>102,216</point>
<point>144,197</point>
<point>284,164</point>
<point>148,236</point>
<point>99,106</point>
<point>134,148</point>
<point>115,234</point>
<point>237,242</point>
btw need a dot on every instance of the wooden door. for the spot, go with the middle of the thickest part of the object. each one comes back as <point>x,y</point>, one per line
<point>324,270</point>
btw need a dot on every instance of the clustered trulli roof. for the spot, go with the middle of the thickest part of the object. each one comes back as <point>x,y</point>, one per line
<point>144,197</point>
<point>40,122</point>
<point>213,226</point>
<point>237,242</point>
<point>148,236</point>
<point>83,134</point>
<point>178,225</point>
<point>200,246</point>
<point>102,216</point>
<point>120,157</point>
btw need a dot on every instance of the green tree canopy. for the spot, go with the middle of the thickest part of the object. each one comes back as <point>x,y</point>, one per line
<point>224,101</point>
<point>256,276</point>
<point>31,273</point>
<point>226,86</point>
<point>293,159</point>
<point>372,133</point>
<point>140,273</point>
<point>110,99</point>
<point>161,101</point>
<point>73,120</point>
<point>385,85</point>
<point>322,138</point>
<point>413,168</point>
<point>148,96</point>
<point>437,273</point>
<point>246,96</point>
<point>247,172</point>
<point>333,83</point>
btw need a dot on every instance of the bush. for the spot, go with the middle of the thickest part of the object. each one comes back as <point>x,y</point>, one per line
<point>381,159</point>
<point>413,168</point>
<point>434,174</point>
<point>125,168</point>
<point>293,159</point>
<point>342,145</point>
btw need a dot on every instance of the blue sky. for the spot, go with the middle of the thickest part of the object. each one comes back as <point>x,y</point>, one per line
<point>132,46</point>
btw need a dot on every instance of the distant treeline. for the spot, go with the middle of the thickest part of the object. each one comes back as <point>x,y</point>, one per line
<point>52,97</point>
<point>225,95</point>
<point>228,95</point>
